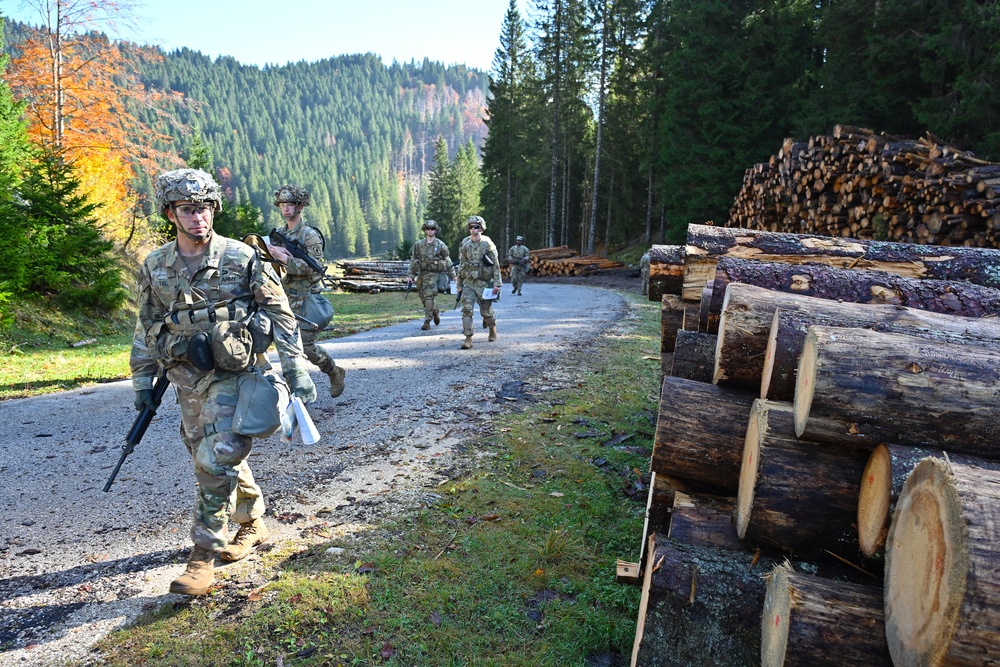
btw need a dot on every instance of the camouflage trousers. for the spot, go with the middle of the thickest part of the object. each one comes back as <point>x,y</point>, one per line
<point>226,487</point>
<point>472,293</point>
<point>428,291</point>
<point>516,276</point>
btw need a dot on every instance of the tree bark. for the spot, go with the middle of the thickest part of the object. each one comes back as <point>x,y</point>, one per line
<point>811,621</point>
<point>666,271</point>
<point>854,286</point>
<point>704,520</point>
<point>793,495</point>
<point>671,320</point>
<point>866,387</point>
<point>942,584</point>
<point>700,431</point>
<point>706,243</point>
<point>694,356</point>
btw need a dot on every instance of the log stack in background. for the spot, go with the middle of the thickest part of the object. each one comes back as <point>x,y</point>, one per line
<point>372,275</point>
<point>899,365</point>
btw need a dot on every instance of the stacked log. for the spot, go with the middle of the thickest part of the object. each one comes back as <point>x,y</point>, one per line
<point>860,184</point>
<point>576,266</point>
<point>372,275</point>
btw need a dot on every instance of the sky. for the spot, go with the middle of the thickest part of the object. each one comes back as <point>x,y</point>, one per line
<point>261,32</point>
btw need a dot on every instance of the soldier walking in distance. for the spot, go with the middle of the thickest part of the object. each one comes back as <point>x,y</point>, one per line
<point>518,256</point>
<point>301,282</point>
<point>430,266</point>
<point>478,272</point>
<point>644,269</point>
<point>195,295</point>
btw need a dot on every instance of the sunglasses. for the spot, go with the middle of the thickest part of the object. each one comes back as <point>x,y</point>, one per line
<point>475,226</point>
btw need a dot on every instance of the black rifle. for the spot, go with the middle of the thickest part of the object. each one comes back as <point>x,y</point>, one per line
<point>298,251</point>
<point>139,426</point>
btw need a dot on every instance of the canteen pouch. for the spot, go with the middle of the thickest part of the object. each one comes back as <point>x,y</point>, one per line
<point>443,282</point>
<point>317,311</point>
<point>231,345</point>
<point>257,414</point>
<point>199,351</point>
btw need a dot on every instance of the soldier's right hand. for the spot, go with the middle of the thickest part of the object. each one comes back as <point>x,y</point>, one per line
<point>144,399</point>
<point>301,384</point>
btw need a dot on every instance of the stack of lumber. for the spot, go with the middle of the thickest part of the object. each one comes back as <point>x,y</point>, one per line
<point>865,185</point>
<point>840,415</point>
<point>372,275</point>
<point>563,261</point>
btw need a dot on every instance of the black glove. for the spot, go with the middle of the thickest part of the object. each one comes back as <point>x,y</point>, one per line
<point>144,399</point>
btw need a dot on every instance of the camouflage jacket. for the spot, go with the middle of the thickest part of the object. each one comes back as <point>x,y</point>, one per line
<point>518,254</point>
<point>430,258</point>
<point>174,304</point>
<point>472,268</point>
<point>300,280</point>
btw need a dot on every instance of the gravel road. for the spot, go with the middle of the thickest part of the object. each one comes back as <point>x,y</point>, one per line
<point>76,562</point>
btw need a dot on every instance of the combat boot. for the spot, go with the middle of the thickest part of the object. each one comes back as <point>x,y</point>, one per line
<point>336,381</point>
<point>514,291</point>
<point>437,317</point>
<point>427,325</point>
<point>493,333</point>
<point>199,575</point>
<point>467,345</point>
<point>467,330</point>
<point>250,534</point>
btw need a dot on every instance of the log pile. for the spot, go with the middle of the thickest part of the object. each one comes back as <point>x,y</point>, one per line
<point>372,275</point>
<point>848,428</point>
<point>564,261</point>
<point>860,184</point>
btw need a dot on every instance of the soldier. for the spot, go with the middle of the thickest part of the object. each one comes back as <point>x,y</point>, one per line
<point>518,256</point>
<point>191,292</point>
<point>478,271</point>
<point>301,282</point>
<point>430,264</point>
<point>644,268</point>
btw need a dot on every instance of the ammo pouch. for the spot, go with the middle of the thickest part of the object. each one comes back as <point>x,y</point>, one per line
<point>317,311</point>
<point>232,345</point>
<point>257,412</point>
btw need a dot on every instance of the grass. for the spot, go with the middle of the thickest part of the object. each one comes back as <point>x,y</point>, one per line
<point>38,357</point>
<point>513,565</point>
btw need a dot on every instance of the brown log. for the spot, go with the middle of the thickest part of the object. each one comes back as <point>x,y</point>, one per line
<point>704,520</point>
<point>939,296</point>
<point>867,387</point>
<point>795,495</point>
<point>694,356</point>
<point>666,271</point>
<point>671,319</point>
<point>794,315</point>
<point>700,431</point>
<point>811,621</point>
<point>706,243</point>
<point>700,607</point>
<point>942,585</point>
<point>885,473</point>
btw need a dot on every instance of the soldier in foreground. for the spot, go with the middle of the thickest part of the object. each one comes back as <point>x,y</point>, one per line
<point>478,274</point>
<point>197,295</point>
<point>303,284</point>
<point>518,256</point>
<point>431,266</point>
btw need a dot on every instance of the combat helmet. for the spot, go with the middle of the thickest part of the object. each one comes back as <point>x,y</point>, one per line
<point>192,185</point>
<point>291,194</point>
<point>430,224</point>
<point>476,219</point>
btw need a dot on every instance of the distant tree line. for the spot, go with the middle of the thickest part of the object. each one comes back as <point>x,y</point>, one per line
<point>620,121</point>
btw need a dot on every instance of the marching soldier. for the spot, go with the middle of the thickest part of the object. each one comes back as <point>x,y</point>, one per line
<point>478,274</point>
<point>518,256</point>
<point>429,265</point>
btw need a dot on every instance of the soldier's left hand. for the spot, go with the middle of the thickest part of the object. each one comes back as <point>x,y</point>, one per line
<point>301,384</point>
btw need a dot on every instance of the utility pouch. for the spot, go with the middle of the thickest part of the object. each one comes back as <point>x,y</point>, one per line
<point>317,311</point>
<point>199,351</point>
<point>231,345</point>
<point>257,414</point>
<point>261,331</point>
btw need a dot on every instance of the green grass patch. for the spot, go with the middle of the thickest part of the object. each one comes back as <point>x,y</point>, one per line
<point>38,357</point>
<point>513,565</point>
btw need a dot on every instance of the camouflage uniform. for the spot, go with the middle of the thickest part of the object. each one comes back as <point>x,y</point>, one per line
<point>518,257</point>
<point>644,268</point>
<point>173,305</point>
<point>474,276</point>
<point>429,260</point>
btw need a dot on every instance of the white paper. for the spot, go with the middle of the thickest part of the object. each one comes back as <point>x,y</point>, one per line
<point>489,295</point>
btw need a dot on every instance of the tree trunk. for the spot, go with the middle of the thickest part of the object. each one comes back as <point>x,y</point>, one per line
<point>700,431</point>
<point>704,520</point>
<point>671,320</point>
<point>795,495</point>
<point>885,473</point>
<point>867,387</point>
<point>810,621</point>
<point>706,243</point>
<point>666,270</point>
<point>694,356</point>
<point>854,286</point>
<point>942,584</point>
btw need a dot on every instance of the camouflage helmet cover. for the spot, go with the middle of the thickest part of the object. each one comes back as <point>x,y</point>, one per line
<point>476,219</point>
<point>519,238</point>
<point>291,194</point>
<point>192,185</point>
<point>430,224</point>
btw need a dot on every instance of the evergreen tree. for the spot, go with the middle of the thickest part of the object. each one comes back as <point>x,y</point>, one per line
<point>443,197</point>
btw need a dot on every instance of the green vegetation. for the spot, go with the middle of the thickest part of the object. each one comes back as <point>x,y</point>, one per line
<point>514,565</point>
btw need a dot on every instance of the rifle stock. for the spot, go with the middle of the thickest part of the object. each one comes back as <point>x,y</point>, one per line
<point>139,427</point>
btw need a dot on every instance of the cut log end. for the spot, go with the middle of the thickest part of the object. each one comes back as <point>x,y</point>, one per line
<point>805,383</point>
<point>873,501</point>
<point>775,619</point>
<point>750,465</point>
<point>927,562</point>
